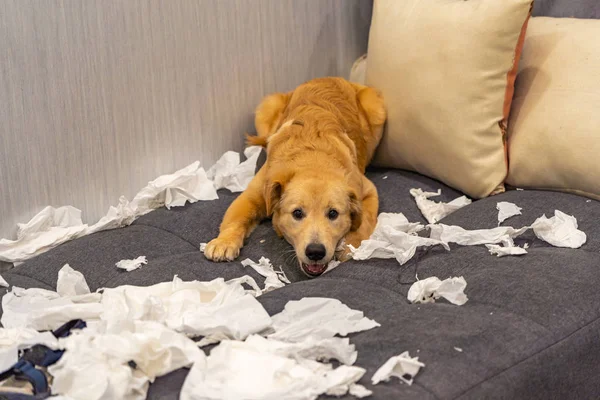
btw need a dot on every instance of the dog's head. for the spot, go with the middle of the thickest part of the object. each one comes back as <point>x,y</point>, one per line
<point>313,212</point>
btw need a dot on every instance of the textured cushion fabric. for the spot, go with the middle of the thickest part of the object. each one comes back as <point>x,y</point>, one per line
<point>554,130</point>
<point>446,70</point>
<point>567,8</point>
<point>529,330</point>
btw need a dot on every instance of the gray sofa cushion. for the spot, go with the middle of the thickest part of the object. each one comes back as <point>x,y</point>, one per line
<point>529,330</point>
<point>567,8</point>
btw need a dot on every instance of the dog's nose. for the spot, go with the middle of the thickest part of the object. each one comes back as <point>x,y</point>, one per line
<point>315,251</point>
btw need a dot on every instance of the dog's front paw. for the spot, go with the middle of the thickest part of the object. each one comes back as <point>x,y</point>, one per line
<point>222,249</point>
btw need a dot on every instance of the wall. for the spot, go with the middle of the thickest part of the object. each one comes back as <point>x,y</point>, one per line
<point>99,97</point>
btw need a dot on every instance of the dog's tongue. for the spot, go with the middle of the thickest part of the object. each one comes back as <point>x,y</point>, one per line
<point>315,269</point>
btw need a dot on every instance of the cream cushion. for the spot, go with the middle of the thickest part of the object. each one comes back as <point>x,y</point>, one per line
<point>446,71</point>
<point>554,130</point>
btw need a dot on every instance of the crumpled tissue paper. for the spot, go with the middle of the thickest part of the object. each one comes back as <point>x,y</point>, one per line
<point>560,230</point>
<point>430,289</point>
<point>393,237</point>
<point>130,265</point>
<point>318,318</point>
<point>96,365</point>
<point>14,339</point>
<point>435,211</point>
<point>507,210</point>
<point>3,282</point>
<point>225,374</point>
<point>42,309</point>
<point>273,279</point>
<point>464,237</point>
<point>510,250</point>
<point>54,226</point>
<point>400,366</point>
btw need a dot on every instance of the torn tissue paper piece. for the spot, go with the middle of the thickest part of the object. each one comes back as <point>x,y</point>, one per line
<point>130,265</point>
<point>318,318</point>
<point>214,309</point>
<point>507,210</point>
<point>560,230</point>
<point>502,251</point>
<point>225,374</point>
<point>456,234</point>
<point>230,174</point>
<point>97,364</point>
<point>435,211</point>
<point>430,289</point>
<point>14,339</point>
<point>3,282</point>
<point>393,237</point>
<point>273,279</point>
<point>54,226</point>
<point>403,367</point>
<point>71,282</point>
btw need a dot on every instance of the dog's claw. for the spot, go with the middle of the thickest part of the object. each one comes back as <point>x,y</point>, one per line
<point>222,250</point>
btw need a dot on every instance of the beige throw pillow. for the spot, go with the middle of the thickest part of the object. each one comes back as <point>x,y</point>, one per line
<point>554,130</point>
<point>446,69</point>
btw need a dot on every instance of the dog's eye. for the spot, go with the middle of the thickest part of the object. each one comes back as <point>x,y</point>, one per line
<point>333,214</point>
<point>298,214</point>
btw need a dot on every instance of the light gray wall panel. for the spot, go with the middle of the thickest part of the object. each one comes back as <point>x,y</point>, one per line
<point>99,97</point>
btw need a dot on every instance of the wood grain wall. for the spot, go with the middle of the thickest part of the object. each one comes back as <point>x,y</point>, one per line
<point>97,97</point>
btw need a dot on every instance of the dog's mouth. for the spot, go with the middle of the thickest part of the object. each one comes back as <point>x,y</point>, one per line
<point>314,270</point>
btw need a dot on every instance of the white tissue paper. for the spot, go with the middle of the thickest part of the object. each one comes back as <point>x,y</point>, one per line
<point>317,318</point>
<point>54,226</point>
<point>225,374</point>
<point>456,234</point>
<point>502,251</point>
<point>215,309</point>
<point>560,230</point>
<point>229,173</point>
<point>273,279</point>
<point>430,289</point>
<point>96,366</point>
<point>400,366</point>
<point>435,211</point>
<point>14,339</point>
<point>71,282</point>
<point>130,265</point>
<point>393,237</point>
<point>3,282</point>
<point>507,210</point>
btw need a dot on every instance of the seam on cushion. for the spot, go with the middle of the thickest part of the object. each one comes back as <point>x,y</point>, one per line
<point>30,277</point>
<point>465,392</point>
<point>197,246</point>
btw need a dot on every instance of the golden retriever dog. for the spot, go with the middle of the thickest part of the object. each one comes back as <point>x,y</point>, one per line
<point>319,140</point>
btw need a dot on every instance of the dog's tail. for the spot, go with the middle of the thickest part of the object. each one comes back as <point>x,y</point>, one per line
<point>256,141</point>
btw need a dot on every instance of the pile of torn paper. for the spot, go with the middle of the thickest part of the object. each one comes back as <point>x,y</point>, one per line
<point>136,334</point>
<point>54,226</point>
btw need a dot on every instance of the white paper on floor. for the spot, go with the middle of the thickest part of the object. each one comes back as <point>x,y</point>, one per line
<point>54,226</point>
<point>394,237</point>
<point>560,230</point>
<point>430,289</point>
<point>318,318</point>
<point>434,211</point>
<point>95,364</point>
<point>130,265</point>
<point>464,237</point>
<point>403,367</point>
<point>507,210</point>
<point>273,279</point>
<point>502,251</point>
<point>236,370</point>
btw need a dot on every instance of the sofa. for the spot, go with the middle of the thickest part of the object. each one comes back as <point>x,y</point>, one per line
<point>531,327</point>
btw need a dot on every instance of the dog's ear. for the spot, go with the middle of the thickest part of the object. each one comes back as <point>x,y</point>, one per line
<point>269,113</point>
<point>355,211</point>
<point>371,102</point>
<point>274,190</point>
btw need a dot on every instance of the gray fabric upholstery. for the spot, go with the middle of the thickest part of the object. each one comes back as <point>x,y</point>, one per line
<point>529,330</point>
<point>567,8</point>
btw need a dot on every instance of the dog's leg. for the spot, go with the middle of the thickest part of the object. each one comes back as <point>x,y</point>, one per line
<point>241,218</point>
<point>370,209</point>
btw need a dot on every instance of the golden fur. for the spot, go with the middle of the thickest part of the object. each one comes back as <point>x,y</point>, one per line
<point>319,140</point>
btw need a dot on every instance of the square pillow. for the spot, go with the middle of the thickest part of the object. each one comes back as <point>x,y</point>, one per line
<point>446,69</point>
<point>554,130</point>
